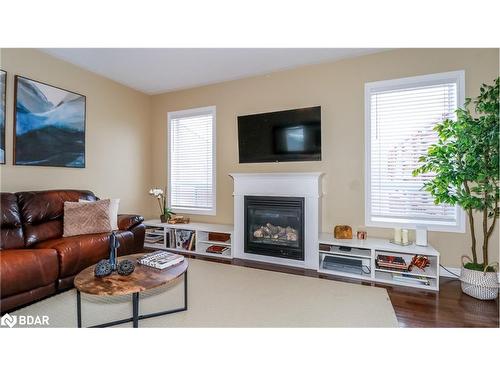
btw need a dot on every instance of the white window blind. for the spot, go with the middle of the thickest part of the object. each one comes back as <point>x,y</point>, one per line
<point>401,115</point>
<point>191,177</point>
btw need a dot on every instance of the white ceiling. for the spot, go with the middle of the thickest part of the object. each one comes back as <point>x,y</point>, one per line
<point>157,70</point>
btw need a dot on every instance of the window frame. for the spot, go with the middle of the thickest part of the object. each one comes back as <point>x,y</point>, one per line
<point>188,113</point>
<point>457,77</point>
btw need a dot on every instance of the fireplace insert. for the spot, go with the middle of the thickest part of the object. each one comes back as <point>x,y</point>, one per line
<point>274,226</point>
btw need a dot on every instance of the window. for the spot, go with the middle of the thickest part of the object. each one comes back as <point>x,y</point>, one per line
<point>400,116</point>
<point>191,161</point>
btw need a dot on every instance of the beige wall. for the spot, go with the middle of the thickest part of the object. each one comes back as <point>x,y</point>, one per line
<point>339,88</point>
<point>117,134</point>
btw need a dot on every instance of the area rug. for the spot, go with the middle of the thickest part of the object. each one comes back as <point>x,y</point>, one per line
<point>223,295</point>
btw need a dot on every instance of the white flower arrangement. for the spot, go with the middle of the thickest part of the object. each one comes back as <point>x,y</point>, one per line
<point>161,197</point>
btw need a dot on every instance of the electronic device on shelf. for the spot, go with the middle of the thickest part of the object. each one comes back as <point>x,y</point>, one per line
<point>350,265</point>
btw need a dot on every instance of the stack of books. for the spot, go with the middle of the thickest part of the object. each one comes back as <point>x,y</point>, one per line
<point>411,279</point>
<point>219,237</point>
<point>390,262</point>
<point>154,235</point>
<point>160,259</point>
<point>325,247</point>
<point>170,235</point>
<point>215,249</point>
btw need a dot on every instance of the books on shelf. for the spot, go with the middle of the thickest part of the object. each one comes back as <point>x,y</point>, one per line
<point>325,247</point>
<point>216,249</point>
<point>171,238</point>
<point>219,237</point>
<point>160,259</point>
<point>411,279</point>
<point>185,239</point>
<point>154,230</point>
<point>154,235</point>
<point>153,239</point>
<point>391,262</point>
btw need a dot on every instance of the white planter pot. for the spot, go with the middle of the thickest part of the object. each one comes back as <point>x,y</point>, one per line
<point>479,284</point>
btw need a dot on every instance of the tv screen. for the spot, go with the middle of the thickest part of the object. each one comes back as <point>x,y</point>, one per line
<point>293,135</point>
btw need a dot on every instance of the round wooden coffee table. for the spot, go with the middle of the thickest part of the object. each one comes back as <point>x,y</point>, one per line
<point>143,278</point>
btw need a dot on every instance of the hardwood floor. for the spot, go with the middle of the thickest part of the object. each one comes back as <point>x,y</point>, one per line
<point>416,308</point>
<point>448,308</point>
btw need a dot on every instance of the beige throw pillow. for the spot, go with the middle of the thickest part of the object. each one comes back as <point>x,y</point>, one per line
<point>113,211</point>
<point>86,217</point>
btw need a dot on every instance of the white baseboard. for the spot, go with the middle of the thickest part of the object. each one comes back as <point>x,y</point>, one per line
<point>457,271</point>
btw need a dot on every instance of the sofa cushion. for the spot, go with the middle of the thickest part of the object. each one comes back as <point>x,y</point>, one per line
<point>42,212</point>
<point>78,252</point>
<point>86,218</point>
<point>114,205</point>
<point>11,230</point>
<point>26,269</point>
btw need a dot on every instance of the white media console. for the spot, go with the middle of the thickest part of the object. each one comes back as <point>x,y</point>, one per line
<point>366,250</point>
<point>201,241</point>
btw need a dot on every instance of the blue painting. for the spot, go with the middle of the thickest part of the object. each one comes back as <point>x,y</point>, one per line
<point>49,125</point>
<point>3,94</point>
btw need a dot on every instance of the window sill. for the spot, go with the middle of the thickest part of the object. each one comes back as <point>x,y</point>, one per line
<point>431,227</point>
<point>192,211</point>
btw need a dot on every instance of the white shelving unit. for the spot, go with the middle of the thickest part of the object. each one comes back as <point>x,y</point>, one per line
<point>368,250</point>
<point>201,238</point>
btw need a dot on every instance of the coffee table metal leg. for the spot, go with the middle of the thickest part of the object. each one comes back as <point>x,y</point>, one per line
<point>186,290</point>
<point>135,309</point>
<point>78,309</point>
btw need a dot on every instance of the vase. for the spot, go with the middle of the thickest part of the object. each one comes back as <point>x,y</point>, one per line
<point>479,284</point>
<point>164,218</point>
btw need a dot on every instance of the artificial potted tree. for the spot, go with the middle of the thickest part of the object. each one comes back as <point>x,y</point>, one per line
<point>465,167</point>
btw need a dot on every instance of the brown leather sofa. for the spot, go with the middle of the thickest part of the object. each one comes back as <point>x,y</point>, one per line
<point>35,260</point>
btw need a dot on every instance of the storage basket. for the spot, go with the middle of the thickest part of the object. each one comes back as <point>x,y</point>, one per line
<point>479,284</point>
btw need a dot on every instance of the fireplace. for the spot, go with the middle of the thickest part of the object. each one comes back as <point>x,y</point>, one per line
<point>292,187</point>
<point>274,226</point>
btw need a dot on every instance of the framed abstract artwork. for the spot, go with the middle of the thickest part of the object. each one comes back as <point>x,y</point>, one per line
<point>49,124</point>
<point>3,95</point>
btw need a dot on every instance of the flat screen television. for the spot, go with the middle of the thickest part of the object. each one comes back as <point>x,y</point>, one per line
<point>293,135</point>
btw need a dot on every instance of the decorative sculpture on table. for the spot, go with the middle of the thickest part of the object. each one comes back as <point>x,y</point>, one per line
<point>113,248</point>
<point>125,267</point>
<point>103,268</point>
<point>107,266</point>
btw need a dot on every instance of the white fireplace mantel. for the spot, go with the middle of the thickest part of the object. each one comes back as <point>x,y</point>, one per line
<point>306,185</point>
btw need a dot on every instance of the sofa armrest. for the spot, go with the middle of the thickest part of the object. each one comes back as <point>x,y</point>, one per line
<point>126,222</point>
